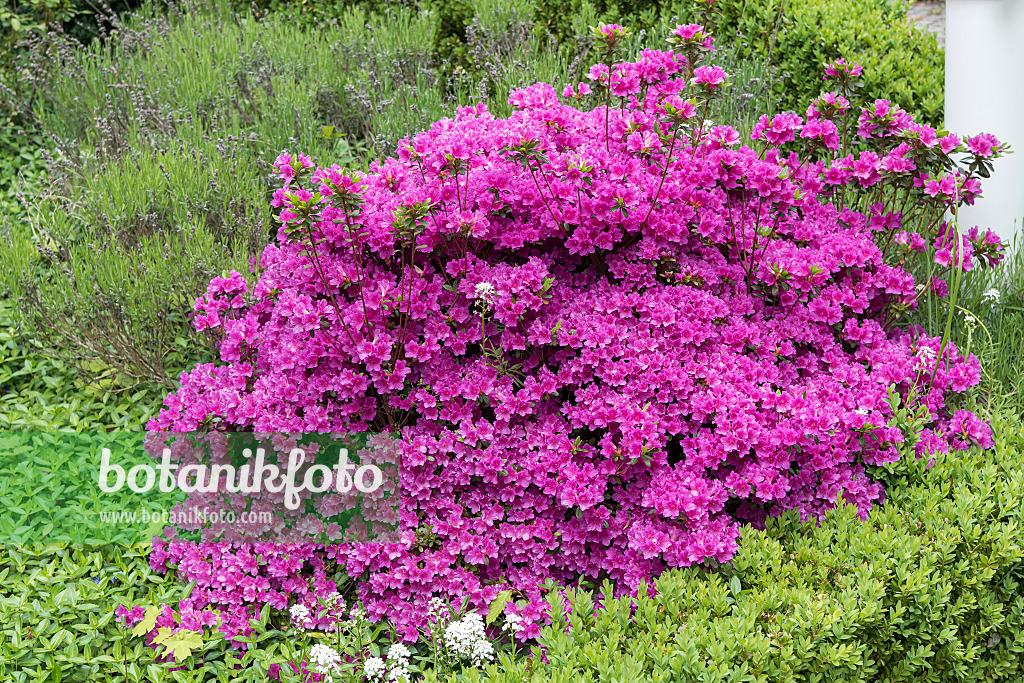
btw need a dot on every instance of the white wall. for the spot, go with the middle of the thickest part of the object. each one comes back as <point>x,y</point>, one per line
<point>985,94</point>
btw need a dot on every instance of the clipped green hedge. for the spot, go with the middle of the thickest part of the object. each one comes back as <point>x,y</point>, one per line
<point>901,63</point>
<point>928,589</point>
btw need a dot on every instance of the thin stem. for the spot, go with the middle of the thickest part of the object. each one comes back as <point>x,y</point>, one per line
<point>359,272</point>
<point>957,251</point>
<point>541,193</point>
<point>608,105</point>
<point>458,198</point>
<point>318,269</point>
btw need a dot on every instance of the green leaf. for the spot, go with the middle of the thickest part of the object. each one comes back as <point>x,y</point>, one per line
<point>498,606</point>
<point>148,621</point>
<point>181,643</point>
<point>735,586</point>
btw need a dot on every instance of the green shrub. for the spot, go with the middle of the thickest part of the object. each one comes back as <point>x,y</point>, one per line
<point>928,589</point>
<point>57,612</point>
<point>901,63</point>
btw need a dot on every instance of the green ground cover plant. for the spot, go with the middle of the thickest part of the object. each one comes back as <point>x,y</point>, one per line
<point>57,611</point>
<point>22,169</point>
<point>49,492</point>
<point>41,392</point>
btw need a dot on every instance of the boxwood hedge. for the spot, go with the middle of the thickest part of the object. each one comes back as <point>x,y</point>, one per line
<point>901,63</point>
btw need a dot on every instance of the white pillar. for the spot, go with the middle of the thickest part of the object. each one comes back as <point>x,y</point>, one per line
<point>985,94</point>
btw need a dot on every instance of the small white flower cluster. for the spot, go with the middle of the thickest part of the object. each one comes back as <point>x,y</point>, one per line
<point>970,321</point>
<point>374,668</point>
<point>992,295</point>
<point>324,660</point>
<point>924,357</point>
<point>513,623</point>
<point>437,610</point>
<point>333,600</point>
<point>300,616</point>
<point>396,669</point>
<point>466,638</point>
<point>485,292</point>
<point>398,662</point>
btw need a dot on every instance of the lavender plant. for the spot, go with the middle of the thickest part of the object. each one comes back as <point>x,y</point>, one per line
<point>161,146</point>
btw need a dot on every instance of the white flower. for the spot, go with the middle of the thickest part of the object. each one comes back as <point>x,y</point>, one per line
<point>373,669</point>
<point>399,653</point>
<point>333,599</point>
<point>970,321</point>
<point>398,662</point>
<point>398,673</point>
<point>300,616</point>
<point>485,291</point>
<point>992,295</point>
<point>324,659</point>
<point>466,638</point>
<point>862,411</point>
<point>437,608</point>
<point>513,623</point>
<point>356,613</point>
<point>924,356</point>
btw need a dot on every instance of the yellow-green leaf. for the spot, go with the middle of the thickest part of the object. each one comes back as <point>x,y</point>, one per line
<point>181,643</point>
<point>148,621</point>
<point>498,606</point>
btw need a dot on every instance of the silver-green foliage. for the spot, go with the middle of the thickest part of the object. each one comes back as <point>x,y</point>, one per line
<point>163,143</point>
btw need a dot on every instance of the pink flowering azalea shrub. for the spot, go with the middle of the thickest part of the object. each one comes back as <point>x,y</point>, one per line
<point>606,335</point>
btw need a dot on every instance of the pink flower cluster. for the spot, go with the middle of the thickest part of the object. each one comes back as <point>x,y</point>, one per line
<point>607,338</point>
<point>959,250</point>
